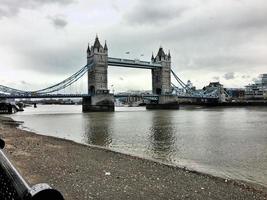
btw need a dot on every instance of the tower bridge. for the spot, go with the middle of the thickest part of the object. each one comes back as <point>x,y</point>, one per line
<point>165,94</point>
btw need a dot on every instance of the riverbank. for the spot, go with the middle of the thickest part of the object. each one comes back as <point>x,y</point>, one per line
<point>84,172</point>
<point>262,103</point>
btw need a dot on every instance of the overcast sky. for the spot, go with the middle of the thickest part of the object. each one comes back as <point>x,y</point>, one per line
<point>45,41</point>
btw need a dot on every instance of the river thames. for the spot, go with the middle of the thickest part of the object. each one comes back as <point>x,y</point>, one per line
<point>225,142</point>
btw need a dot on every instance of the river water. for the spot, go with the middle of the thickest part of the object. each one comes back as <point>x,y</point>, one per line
<point>225,142</point>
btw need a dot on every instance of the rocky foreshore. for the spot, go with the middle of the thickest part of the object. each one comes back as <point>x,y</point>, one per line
<point>86,172</point>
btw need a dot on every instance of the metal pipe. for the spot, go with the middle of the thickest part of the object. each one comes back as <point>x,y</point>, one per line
<point>13,175</point>
<point>24,191</point>
<point>2,143</point>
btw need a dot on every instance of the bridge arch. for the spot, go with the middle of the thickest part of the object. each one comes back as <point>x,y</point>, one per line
<point>92,90</point>
<point>158,91</point>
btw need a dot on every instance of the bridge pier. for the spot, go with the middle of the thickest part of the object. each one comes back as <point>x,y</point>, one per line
<point>6,108</point>
<point>165,102</point>
<point>98,103</point>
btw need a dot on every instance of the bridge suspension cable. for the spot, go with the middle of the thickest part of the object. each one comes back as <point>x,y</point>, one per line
<point>65,83</point>
<point>212,92</point>
<point>59,86</point>
<point>6,89</point>
<point>184,86</point>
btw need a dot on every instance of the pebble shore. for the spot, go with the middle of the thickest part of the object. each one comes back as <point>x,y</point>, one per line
<point>87,172</point>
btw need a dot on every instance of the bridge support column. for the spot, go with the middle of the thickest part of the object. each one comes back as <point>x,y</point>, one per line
<point>98,103</point>
<point>167,102</point>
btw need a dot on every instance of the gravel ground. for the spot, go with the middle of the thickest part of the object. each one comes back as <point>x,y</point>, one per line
<point>84,172</point>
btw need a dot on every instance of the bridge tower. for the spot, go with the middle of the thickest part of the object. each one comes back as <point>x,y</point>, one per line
<point>161,76</point>
<point>100,99</point>
<point>97,75</point>
<point>161,82</point>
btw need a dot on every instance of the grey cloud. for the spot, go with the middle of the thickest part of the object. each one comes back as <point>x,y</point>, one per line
<point>23,82</point>
<point>218,62</point>
<point>10,8</point>
<point>115,6</point>
<point>245,76</point>
<point>229,75</point>
<point>238,27</point>
<point>58,21</point>
<point>58,60</point>
<point>153,13</point>
<point>200,15</point>
<point>216,78</point>
<point>206,35</point>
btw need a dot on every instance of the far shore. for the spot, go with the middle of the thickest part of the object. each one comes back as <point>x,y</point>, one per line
<point>89,172</point>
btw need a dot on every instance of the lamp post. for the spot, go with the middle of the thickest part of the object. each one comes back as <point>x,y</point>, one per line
<point>112,89</point>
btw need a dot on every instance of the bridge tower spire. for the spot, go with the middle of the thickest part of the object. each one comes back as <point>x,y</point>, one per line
<point>152,57</point>
<point>106,47</point>
<point>88,51</point>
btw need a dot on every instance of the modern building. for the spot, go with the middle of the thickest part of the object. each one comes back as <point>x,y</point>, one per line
<point>257,90</point>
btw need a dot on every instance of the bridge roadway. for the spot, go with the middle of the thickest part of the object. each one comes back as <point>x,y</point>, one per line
<point>43,96</point>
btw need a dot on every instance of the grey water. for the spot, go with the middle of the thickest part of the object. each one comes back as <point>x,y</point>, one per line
<point>226,142</point>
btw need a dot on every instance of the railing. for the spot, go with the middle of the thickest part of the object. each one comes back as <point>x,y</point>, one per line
<point>14,187</point>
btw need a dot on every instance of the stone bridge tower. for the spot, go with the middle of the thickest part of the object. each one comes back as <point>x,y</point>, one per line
<point>161,77</point>
<point>97,75</point>
<point>161,82</point>
<point>99,99</point>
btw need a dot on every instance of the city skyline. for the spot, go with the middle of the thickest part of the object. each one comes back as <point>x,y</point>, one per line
<point>208,40</point>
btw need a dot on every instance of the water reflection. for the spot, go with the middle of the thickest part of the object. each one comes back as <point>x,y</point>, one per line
<point>162,137</point>
<point>98,128</point>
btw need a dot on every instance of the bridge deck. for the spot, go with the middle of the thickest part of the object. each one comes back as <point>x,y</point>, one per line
<point>43,96</point>
<point>119,62</point>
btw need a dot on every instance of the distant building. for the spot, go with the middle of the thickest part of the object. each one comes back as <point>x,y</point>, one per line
<point>190,85</point>
<point>215,84</point>
<point>235,93</point>
<point>257,90</point>
<point>216,87</point>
